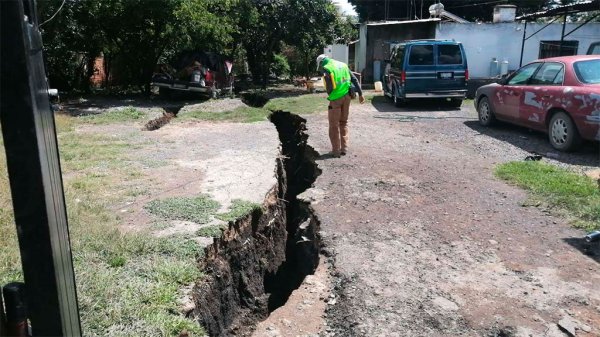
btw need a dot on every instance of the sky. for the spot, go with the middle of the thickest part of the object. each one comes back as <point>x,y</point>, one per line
<point>345,7</point>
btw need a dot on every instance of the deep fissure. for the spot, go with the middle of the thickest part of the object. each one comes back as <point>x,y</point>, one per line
<point>262,258</point>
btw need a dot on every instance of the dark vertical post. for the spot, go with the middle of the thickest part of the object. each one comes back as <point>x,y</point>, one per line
<point>523,44</point>
<point>16,310</point>
<point>34,172</point>
<point>562,35</point>
<point>2,317</point>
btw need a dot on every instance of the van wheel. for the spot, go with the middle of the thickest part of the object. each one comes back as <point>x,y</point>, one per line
<point>485,113</point>
<point>562,133</point>
<point>456,102</point>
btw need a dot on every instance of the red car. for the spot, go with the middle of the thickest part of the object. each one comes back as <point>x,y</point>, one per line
<point>559,96</point>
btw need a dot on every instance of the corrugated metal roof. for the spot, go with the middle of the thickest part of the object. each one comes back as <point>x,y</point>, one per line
<point>587,6</point>
<point>383,23</point>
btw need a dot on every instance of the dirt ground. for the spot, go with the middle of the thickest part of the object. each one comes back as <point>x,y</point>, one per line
<point>425,241</point>
<point>420,238</point>
<point>226,161</point>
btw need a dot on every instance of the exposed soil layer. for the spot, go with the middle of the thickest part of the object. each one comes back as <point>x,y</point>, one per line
<point>261,258</point>
<point>157,123</point>
<point>255,99</point>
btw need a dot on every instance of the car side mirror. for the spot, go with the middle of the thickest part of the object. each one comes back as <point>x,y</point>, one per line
<point>503,80</point>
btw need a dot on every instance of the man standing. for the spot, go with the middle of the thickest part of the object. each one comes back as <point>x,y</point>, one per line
<point>340,83</point>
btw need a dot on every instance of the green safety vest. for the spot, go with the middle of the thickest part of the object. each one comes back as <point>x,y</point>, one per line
<point>340,78</point>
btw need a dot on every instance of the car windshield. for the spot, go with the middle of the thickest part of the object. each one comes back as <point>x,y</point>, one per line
<point>588,71</point>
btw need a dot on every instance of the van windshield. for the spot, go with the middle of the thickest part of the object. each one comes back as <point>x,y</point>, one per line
<point>449,54</point>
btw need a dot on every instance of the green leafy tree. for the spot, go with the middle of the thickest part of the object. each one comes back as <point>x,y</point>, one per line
<point>320,25</point>
<point>134,35</point>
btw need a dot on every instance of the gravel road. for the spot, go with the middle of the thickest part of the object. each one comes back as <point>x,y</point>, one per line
<point>425,241</point>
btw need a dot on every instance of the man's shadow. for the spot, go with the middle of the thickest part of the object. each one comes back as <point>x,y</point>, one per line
<point>589,249</point>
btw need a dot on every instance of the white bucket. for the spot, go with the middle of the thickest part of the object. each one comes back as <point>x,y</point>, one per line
<point>378,86</point>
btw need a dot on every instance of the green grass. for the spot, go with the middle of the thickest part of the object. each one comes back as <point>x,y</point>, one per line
<point>244,114</point>
<point>301,105</point>
<point>10,260</point>
<point>80,152</point>
<point>211,231</point>
<point>238,209</point>
<point>577,195</point>
<point>114,116</point>
<point>305,104</point>
<point>129,284</point>
<point>198,209</point>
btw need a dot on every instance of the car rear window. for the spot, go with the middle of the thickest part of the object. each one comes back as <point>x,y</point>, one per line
<point>449,54</point>
<point>588,71</point>
<point>421,55</point>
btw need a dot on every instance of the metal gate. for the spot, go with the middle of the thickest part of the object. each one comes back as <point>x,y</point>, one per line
<point>35,176</point>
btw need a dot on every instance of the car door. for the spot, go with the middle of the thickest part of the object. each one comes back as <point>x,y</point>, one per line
<point>507,100</point>
<point>543,91</point>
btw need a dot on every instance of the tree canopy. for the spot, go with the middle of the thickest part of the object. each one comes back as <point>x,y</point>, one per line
<point>135,35</point>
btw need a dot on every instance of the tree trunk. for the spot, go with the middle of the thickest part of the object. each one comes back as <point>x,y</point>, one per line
<point>107,70</point>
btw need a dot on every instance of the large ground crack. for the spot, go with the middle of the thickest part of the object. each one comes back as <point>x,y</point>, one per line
<point>261,258</point>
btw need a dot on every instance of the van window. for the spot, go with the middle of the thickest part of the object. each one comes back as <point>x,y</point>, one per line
<point>398,58</point>
<point>449,54</point>
<point>421,55</point>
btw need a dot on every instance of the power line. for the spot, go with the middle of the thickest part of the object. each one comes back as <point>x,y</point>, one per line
<point>480,3</point>
<point>52,17</point>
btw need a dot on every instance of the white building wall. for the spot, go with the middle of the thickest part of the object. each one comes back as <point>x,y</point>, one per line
<point>337,52</point>
<point>484,41</point>
<point>360,56</point>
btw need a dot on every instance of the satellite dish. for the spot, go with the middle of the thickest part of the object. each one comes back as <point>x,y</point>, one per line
<point>436,9</point>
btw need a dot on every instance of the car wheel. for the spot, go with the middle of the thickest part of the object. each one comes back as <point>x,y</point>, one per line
<point>563,133</point>
<point>485,112</point>
<point>214,94</point>
<point>164,93</point>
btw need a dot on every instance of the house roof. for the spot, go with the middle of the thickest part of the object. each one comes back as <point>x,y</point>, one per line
<point>383,23</point>
<point>587,6</point>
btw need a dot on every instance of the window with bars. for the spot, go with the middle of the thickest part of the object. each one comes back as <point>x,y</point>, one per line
<point>553,48</point>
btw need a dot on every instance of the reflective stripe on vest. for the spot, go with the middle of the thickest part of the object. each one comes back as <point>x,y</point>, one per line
<point>340,79</point>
